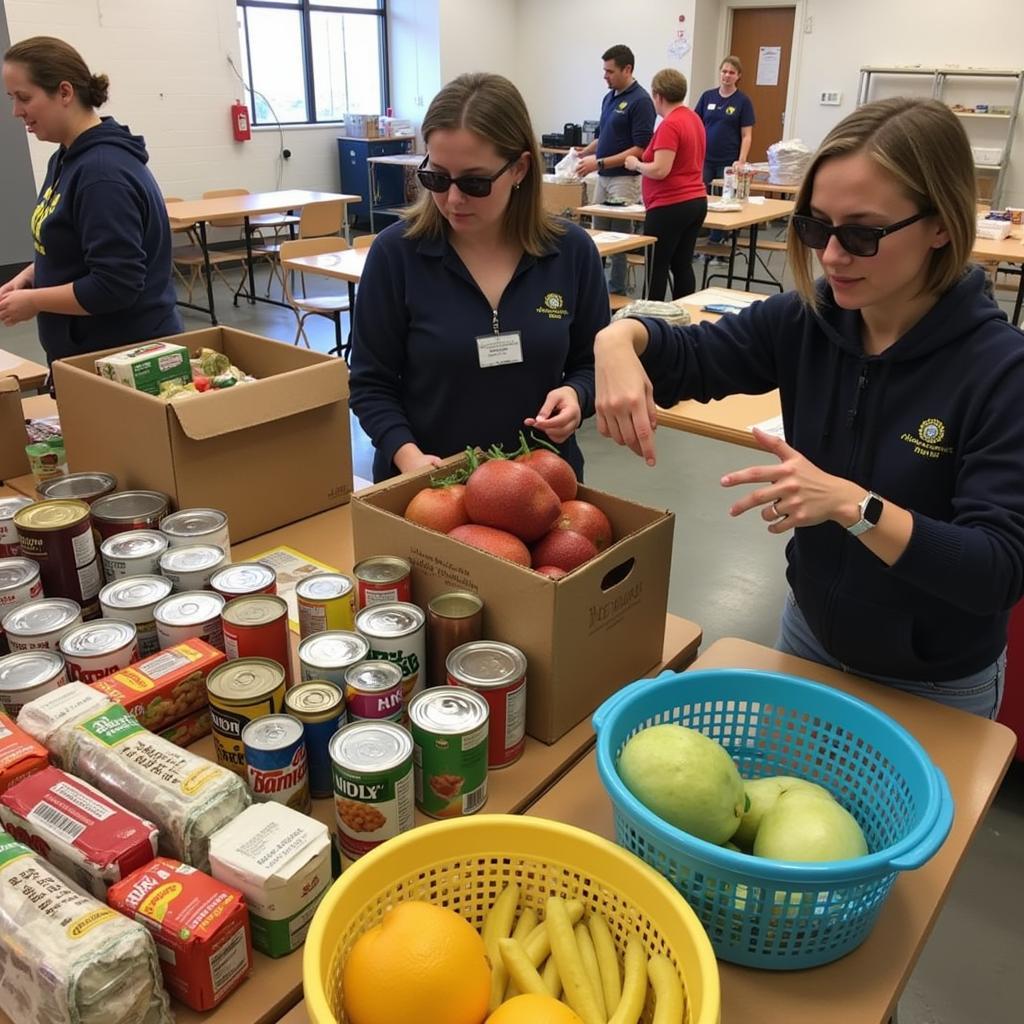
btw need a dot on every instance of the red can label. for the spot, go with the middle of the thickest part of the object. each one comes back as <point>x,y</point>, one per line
<point>257,627</point>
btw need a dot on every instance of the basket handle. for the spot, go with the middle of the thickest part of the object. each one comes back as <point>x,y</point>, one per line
<point>935,836</point>
<point>600,716</point>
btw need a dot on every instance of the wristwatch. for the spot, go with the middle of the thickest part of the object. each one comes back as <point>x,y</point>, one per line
<point>600,165</point>
<point>870,513</point>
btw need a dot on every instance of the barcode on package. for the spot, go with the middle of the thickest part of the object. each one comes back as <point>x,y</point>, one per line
<point>162,664</point>
<point>228,962</point>
<point>475,798</point>
<point>52,820</point>
<point>82,801</point>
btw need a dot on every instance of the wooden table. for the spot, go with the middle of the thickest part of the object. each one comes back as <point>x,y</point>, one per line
<point>250,204</point>
<point>1008,250</point>
<point>784,190</point>
<point>864,986</point>
<point>30,375</point>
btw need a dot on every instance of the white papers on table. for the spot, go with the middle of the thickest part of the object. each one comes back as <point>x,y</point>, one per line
<point>772,426</point>
<point>610,236</point>
<point>723,296</point>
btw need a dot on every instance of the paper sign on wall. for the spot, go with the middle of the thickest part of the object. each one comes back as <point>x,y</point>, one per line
<point>768,60</point>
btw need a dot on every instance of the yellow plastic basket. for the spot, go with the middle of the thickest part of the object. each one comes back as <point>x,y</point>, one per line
<point>464,864</point>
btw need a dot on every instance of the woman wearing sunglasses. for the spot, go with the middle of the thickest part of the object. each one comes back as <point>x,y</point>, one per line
<point>477,312</point>
<point>902,386</point>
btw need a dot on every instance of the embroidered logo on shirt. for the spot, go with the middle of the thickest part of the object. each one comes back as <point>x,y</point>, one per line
<point>553,307</point>
<point>928,442</point>
<point>730,110</point>
<point>623,105</point>
<point>46,205</point>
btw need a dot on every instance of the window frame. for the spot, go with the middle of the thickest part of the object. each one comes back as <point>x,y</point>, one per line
<point>305,8</point>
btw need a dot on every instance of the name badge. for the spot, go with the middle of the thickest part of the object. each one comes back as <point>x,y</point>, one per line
<point>499,349</point>
<point>712,106</point>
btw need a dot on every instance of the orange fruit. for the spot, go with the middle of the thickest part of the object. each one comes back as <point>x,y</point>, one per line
<point>533,1009</point>
<point>422,963</point>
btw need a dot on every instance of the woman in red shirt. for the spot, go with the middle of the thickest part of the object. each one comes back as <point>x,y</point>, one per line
<point>673,186</point>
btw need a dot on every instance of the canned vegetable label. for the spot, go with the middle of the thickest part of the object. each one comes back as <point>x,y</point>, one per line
<point>382,579</point>
<point>326,602</point>
<point>373,690</point>
<point>276,764</point>
<point>397,632</point>
<point>241,691</point>
<point>320,706</point>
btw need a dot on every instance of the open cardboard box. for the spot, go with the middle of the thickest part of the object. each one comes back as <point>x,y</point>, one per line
<point>13,460</point>
<point>267,453</point>
<point>584,636</point>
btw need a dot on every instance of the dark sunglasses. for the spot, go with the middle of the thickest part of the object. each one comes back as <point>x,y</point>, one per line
<point>856,239</point>
<point>474,185</point>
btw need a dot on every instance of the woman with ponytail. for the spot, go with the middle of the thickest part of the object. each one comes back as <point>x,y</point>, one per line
<point>101,276</point>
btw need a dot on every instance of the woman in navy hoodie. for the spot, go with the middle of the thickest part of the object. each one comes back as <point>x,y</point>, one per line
<point>902,387</point>
<point>102,270</point>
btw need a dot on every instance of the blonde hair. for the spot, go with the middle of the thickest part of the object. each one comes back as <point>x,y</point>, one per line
<point>490,106</point>
<point>734,61</point>
<point>670,85</point>
<point>923,146</point>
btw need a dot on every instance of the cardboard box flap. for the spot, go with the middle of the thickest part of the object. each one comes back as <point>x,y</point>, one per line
<point>263,401</point>
<point>13,460</point>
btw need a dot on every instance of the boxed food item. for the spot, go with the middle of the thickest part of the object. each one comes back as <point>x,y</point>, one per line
<point>81,832</point>
<point>187,796</point>
<point>218,450</point>
<point>584,636</point>
<point>20,754</point>
<point>186,731</point>
<point>147,366</point>
<point>201,928</point>
<point>66,958</point>
<point>993,228</point>
<point>362,126</point>
<point>281,860</point>
<point>165,687</point>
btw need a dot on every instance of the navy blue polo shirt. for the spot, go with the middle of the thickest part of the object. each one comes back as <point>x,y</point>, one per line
<point>415,366</point>
<point>627,119</point>
<point>723,117</point>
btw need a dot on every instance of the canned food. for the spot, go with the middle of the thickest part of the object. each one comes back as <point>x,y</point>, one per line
<point>58,535</point>
<point>382,579</point>
<point>240,692</point>
<point>497,672</point>
<point>373,784</point>
<point>275,759</point>
<point>39,625</point>
<point>85,487</point>
<point>330,655</point>
<point>195,613</point>
<point>133,553</point>
<point>320,707</point>
<point>9,545</point>
<point>326,601</point>
<point>373,690</point>
<point>243,578</point>
<point>190,567</point>
<point>129,510</point>
<point>449,735</point>
<point>453,619</point>
<point>95,649</point>
<point>197,526</point>
<point>257,627</point>
<point>19,583</point>
<point>135,599</point>
<point>396,633</point>
<point>27,675</point>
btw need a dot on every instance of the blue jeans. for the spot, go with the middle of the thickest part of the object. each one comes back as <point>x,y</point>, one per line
<point>980,693</point>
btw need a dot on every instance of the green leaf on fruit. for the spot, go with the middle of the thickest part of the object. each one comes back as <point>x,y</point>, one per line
<point>746,803</point>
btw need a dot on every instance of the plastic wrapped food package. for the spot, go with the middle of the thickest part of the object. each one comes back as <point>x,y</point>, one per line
<point>66,958</point>
<point>186,796</point>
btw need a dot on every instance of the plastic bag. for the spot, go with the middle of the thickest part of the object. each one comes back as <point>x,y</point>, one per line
<point>566,168</point>
<point>787,161</point>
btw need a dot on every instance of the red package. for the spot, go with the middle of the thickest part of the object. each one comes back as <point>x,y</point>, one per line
<point>20,755</point>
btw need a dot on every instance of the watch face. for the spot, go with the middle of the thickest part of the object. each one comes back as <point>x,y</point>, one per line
<point>873,509</point>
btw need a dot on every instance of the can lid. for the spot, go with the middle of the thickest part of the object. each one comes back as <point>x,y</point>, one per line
<point>43,616</point>
<point>333,648</point>
<point>135,592</point>
<point>51,514</point>
<point>245,679</point>
<point>371,746</point>
<point>374,676</point>
<point>456,604</point>
<point>189,608</point>
<point>191,521</point>
<point>486,663</point>
<point>382,569</point>
<point>78,485</point>
<point>191,558</point>
<point>242,577</point>
<point>448,709</point>
<point>26,669</point>
<point>272,732</point>
<point>255,610</point>
<point>315,697</point>
<point>16,571</point>
<point>8,506</point>
<point>395,619</point>
<point>129,505</point>
<point>101,636</point>
<point>134,544</point>
<point>321,586</point>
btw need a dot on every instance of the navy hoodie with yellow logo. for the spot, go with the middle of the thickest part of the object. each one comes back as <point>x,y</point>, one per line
<point>934,424</point>
<point>101,225</point>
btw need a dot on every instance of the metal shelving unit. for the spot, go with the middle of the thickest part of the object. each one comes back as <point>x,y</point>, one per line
<point>940,76</point>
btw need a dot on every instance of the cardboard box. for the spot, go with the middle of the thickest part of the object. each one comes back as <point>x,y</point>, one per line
<point>584,636</point>
<point>267,453</point>
<point>13,460</point>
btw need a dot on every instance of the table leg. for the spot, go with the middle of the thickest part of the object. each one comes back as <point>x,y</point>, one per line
<point>208,270</point>
<point>751,255</point>
<point>248,259</point>
<point>351,312</point>
<point>1020,298</point>
<point>732,258</point>
<point>348,227</point>
<point>370,177</point>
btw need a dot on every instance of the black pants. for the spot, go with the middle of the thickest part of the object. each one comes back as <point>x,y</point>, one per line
<point>676,229</point>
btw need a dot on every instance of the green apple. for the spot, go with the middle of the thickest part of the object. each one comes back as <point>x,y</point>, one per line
<point>685,778</point>
<point>801,826</point>
<point>762,794</point>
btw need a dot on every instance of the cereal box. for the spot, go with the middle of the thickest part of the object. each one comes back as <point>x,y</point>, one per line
<point>20,755</point>
<point>200,925</point>
<point>165,687</point>
<point>84,834</point>
<point>186,731</point>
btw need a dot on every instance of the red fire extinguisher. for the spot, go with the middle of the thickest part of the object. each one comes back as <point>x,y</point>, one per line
<point>240,121</point>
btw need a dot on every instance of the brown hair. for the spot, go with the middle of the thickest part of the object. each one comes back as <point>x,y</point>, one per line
<point>490,106</point>
<point>921,144</point>
<point>50,61</point>
<point>670,85</point>
<point>734,61</point>
<point>621,54</point>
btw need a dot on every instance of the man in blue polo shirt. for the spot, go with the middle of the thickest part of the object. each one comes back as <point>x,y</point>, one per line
<point>626,126</point>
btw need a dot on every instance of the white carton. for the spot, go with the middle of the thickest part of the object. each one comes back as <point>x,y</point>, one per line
<point>281,861</point>
<point>147,366</point>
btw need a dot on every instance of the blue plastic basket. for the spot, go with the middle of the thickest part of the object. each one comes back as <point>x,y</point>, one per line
<point>767,913</point>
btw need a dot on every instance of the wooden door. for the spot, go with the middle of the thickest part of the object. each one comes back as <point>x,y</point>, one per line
<point>753,28</point>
